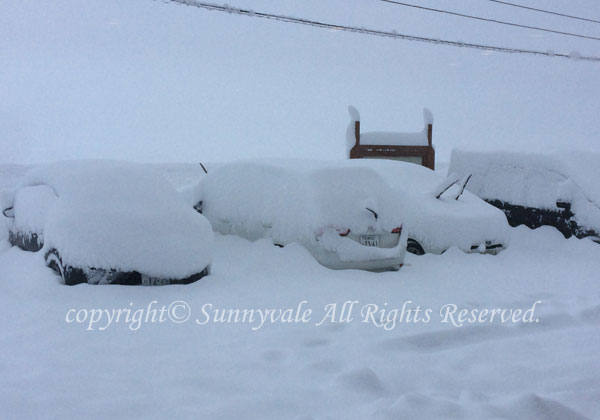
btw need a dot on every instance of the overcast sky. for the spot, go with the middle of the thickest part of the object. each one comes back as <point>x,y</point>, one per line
<point>146,80</point>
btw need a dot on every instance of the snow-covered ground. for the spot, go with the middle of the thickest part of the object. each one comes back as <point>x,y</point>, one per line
<point>52,366</point>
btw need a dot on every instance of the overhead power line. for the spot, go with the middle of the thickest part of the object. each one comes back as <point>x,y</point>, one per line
<point>545,11</point>
<point>501,22</point>
<point>374,32</point>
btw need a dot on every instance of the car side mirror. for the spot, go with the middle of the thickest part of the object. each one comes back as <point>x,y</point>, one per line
<point>198,206</point>
<point>9,212</point>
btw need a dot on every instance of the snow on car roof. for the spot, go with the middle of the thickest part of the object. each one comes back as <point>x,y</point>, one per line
<point>121,216</point>
<point>536,180</point>
<point>582,168</point>
<point>295,197</point>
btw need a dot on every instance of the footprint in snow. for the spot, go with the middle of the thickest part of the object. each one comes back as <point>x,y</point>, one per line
<point>591,315</point>
<point>326,366</point>
<point>317,342</point>
<point>363,381</point>
<point>273,356</point>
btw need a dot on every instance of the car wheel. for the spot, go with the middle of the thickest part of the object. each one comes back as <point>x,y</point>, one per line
<point>54,262</point>
<point>414,247</point>
<point>70,275</point>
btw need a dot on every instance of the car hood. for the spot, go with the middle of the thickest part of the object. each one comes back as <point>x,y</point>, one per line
<point>169,244</point>
<point>438,224</point>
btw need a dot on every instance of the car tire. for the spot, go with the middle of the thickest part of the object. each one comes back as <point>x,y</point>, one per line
<point>70,276</point>
<point>55,263</point>
<point>414,247</point>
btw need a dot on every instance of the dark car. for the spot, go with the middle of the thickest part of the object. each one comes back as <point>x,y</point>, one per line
<point>105,222</point>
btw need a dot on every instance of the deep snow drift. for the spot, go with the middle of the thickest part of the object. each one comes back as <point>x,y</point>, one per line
<point>52,368</point>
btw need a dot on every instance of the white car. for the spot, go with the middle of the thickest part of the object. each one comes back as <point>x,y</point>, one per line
<point>108,222</point>
<point>345,217</point>
<point>438,212</point>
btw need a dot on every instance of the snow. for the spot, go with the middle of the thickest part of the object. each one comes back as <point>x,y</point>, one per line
<point>31,209</point>
<point>119,216</point>
<point>221,102</point>
<point>388,137</point>
<point>292,200</point>
<point>351,129</point>
<point>535,180</point>
<point>394,138</point>
<point>380,369</point>
<point>353,370</point>
<point>438,224</point>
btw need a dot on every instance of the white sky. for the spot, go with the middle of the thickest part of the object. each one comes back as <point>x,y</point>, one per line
<point>148,81</point>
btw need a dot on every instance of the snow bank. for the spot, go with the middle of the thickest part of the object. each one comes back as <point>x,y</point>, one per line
<point>536,180</point>
<point>438,224</point>
<point>121,216</point>
<point>292,200</point>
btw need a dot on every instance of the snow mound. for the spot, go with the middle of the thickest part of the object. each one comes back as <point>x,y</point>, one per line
<point>535,180</point>
<point>120,216</point>
<point>363,381</point>
<point>534,407</point>
<point>418,406</point>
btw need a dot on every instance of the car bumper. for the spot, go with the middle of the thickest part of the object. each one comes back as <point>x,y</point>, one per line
<point>344,253</point>
<point>335,263</point>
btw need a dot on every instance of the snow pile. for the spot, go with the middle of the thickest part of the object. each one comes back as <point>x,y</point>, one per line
<point>118,216</point>
<point>438,224</point>
<point>387,137</point>
<point>338,370</point>
<point>536,180</point>
<point>293,200</point>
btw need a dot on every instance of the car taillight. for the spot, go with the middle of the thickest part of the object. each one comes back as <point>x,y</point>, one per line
<point>397,230</point>
<point>343,232</point>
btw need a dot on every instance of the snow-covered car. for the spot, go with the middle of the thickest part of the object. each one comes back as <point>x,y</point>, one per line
<point>106,222</point>
<point>344,216</point>
<point>438,213</point>
<point>555,189</point>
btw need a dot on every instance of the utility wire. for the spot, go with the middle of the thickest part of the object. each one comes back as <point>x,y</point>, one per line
<point>545,11</point>
<point>374,32</point>
<point>501,22</point>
